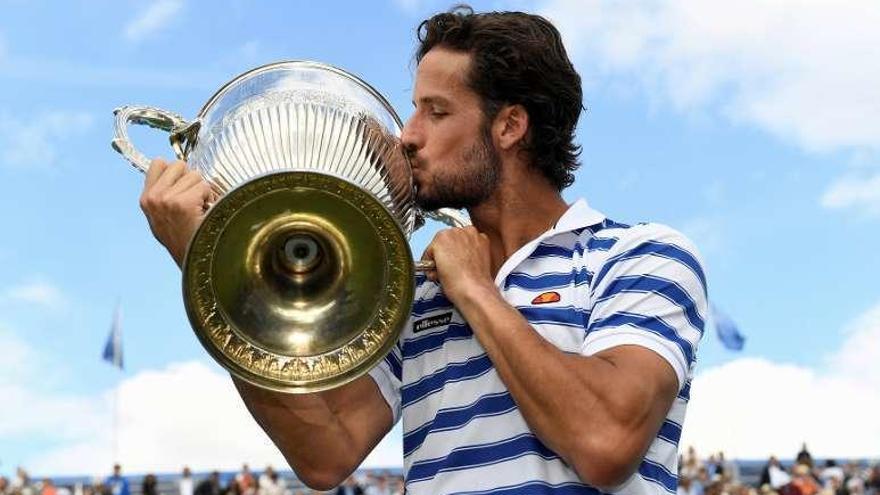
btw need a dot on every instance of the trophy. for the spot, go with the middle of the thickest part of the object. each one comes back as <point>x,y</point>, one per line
<point>300,278</point>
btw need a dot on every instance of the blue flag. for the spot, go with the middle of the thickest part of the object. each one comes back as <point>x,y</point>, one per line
<point>727,331</point>
<point>113,347</point>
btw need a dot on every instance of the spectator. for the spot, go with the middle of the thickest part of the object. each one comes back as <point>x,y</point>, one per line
<point>209,486</point>
<point>802,480</point>
<point>246,484</point>
<point>350,487</point>
<point>22,482</point>
<point>686,486</point>
<point>690,466</point>
<point>830,472</point>
<point>397,487</point>
<point>270,483</point>
<point>117,484</point>
<point>804,457</point>
<point>185,483</point>
<point>855,486</point>
<point>148,486</point>
<point>872,486</point>
<point>729,470</point>
<point>377,485</point>
<point>777,477</point>
<point>48,488</point>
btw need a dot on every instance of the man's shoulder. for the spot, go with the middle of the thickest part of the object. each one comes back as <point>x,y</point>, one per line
<point>645,237</point>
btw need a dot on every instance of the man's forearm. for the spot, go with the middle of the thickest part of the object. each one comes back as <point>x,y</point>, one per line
<point>303,427</point>
<point>324,436</point>
<point>574,404</point>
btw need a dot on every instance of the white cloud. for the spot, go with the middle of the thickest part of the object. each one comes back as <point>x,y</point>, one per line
<point>859,356</point>
<point>33,143</point>
<point>803,70</point>
<point>23,370</point>
<point>856,190</point>
<point>37,292</point>
<point>189,413</point>
<point>184,414</point>
<point>152,19</point>
<point>751,408</point>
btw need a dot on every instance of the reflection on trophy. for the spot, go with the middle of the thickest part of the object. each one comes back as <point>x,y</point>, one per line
<point>300,278</point>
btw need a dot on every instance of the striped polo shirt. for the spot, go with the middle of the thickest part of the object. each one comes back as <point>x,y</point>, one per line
<point>586,285</point>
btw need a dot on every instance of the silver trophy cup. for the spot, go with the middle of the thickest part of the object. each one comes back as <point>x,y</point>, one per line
<point>300,278</point>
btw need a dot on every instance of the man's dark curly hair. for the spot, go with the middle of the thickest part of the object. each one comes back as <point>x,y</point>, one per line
<point>518,58</point>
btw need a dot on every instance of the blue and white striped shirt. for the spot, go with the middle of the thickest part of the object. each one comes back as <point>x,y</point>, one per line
<point>587,285</point>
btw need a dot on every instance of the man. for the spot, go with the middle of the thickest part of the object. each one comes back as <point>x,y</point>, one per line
<point>349,487</point>
<point>245,481</point>
<point>269,483</point>
<point>117,483</point>
<point>185,483</point>
<point>554,347</point>
<point>209,485</point>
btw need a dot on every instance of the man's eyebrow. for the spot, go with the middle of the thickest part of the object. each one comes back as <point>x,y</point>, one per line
<point>429,100</point>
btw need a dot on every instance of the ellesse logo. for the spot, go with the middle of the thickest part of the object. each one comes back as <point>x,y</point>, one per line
<point>547,297</point>
<point>432,322</point>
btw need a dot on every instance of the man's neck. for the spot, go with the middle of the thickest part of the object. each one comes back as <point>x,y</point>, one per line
<point>516,215</point>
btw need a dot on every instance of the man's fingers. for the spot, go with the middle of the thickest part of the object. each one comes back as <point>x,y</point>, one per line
<point>196,195</point>
<point>188,180</point>
<point>170,176</point>
<point>208,196</point>
<point>428,255</point>
<point>157,167</point>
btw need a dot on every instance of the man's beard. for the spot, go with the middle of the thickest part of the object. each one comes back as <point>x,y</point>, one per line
<point>473,183</point>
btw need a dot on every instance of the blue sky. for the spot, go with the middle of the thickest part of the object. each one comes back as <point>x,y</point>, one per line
<point>752,129</point>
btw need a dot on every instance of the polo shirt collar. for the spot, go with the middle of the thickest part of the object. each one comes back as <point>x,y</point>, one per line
<point>578,215</point>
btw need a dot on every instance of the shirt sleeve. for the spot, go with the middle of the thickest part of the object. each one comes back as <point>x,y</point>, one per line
<point>387,375</point>
<point>649,291</point>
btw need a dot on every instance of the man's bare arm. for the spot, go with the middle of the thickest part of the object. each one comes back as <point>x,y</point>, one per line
<point>600,412</point>
<point>326,435</point>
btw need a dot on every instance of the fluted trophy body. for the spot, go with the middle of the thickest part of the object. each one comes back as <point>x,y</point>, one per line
<point>300,278</point>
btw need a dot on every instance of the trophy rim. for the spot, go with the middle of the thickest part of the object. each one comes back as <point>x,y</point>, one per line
<point>305,64</point>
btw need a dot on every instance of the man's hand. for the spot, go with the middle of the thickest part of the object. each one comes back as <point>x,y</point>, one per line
<point>174,201</point>
<point>463,261</point>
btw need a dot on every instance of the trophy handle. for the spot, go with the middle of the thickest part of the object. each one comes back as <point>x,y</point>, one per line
<point>449,216</point>
<point>177,126</point>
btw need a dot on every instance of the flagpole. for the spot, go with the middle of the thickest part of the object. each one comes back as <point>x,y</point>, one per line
<point>118,357</point>
<point>113,354</point>
<point>116,423</point>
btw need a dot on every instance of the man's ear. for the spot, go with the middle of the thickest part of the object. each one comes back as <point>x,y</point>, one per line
<point>511,126</point>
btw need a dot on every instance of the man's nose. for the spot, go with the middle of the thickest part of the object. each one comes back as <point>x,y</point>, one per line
<point>410,138</point>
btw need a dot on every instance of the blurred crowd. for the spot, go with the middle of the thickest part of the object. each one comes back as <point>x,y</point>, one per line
<point>245,482</point>
<point>717,475</point>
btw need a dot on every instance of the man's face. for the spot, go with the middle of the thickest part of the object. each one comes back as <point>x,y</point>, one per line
<point>454,161</point>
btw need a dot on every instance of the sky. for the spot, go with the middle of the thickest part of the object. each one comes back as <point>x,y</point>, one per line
<point>750,126</point>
